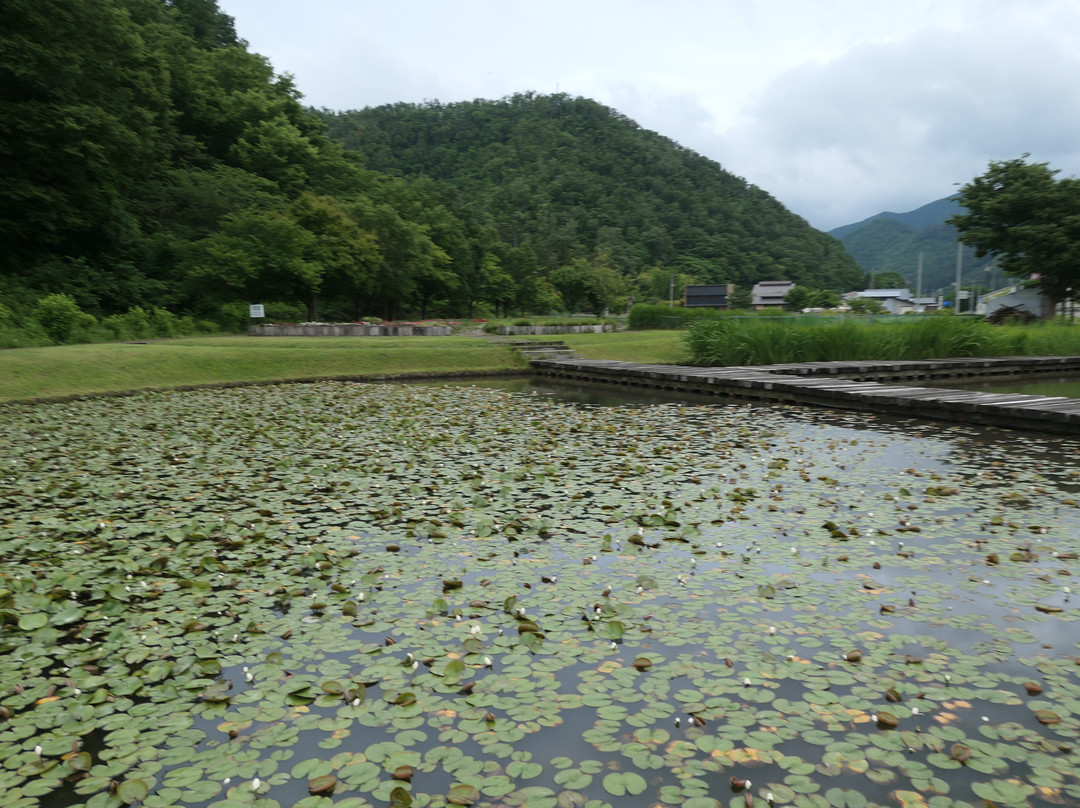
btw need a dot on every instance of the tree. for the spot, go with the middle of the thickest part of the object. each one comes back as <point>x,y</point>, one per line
<point>741,298</point>
<point>797,299</point>
<point>264,255</point>
<point>884,280</point>
<point>348,256</point>
<point>865,305</point>
<point>825,299</point>
<point>1027,219</point>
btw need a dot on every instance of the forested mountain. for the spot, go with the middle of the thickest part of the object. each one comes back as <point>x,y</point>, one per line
<point>567,178</point>
<point>891,242</point>
<point>149,159</point>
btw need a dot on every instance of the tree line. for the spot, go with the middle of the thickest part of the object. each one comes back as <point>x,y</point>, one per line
<point>152,162</point>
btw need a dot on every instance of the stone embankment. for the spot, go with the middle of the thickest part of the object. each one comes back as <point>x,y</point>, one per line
<point>349,330</point>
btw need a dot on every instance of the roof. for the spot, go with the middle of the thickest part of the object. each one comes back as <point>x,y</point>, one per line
<point>766,292</point>
<point>904,294</point>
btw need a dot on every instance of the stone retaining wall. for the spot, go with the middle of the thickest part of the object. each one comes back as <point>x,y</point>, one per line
<point>349,330</point>
<point>515,330</point>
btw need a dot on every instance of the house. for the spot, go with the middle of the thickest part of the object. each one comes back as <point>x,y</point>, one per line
<point>893,301</point>
<point>770,294</point>
<point>713,296</point>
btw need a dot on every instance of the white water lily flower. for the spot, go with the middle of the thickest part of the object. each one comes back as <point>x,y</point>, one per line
<point>255,784</point>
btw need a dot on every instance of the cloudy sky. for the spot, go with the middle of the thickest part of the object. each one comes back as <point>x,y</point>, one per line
<point>838,108</point>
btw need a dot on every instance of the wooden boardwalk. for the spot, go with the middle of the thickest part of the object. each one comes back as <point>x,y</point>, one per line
<point>859,385</point>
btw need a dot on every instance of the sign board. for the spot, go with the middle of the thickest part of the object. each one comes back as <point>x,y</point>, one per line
<point>255,310</point>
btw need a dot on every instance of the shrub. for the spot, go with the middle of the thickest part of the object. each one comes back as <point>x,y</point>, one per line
<point>58,314</point>
<point>1012,315</point>
<point>647,316</point>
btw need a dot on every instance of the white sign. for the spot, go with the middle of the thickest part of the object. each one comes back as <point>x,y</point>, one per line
<point>255,310</point>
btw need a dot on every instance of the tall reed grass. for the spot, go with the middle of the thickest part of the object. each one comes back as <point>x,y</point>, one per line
<point>734,342</point>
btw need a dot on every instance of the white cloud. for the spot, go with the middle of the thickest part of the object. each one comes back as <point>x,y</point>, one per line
<point>894,126</point>
<point>839,108</point>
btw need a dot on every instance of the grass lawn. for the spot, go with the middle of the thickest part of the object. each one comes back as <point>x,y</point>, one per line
<point>647,347</point>
<point>69,370</point>
<point>79,369</point>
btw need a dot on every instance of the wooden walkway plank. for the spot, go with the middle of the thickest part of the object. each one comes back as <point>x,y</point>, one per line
<point>824,383</point>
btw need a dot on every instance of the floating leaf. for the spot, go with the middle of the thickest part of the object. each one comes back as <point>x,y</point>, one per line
<point>619,784</point>
<point>322,785</point>
<point>132,791</point>
<point>463,795</point>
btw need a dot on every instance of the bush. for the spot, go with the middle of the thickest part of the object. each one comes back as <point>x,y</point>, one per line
<point>1012,315</point>
<point>234,318</point>
<point>647,316</point>
<point>58,315</point>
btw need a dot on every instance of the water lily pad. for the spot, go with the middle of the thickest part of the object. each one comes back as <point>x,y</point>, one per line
<point>619,784</point>
<point>462,794</point>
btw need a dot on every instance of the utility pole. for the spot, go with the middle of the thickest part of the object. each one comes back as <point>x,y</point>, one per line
<point>918,282</point>
<point>671,292</point>
<point>959,271</point>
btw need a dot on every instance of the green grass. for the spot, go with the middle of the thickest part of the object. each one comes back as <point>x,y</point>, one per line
<point>80,369</point>
<point>771,341</point>
<point>72,370</point>
<point>648,347</point>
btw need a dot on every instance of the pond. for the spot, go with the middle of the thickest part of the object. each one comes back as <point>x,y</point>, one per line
<point>390,595</point>
<point>1068,386</point>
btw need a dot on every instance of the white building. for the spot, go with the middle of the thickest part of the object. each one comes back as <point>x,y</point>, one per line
<point>894,301</point>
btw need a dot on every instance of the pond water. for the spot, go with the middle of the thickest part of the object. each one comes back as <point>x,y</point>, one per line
<point>1068,386</point>
<point>513,594</point>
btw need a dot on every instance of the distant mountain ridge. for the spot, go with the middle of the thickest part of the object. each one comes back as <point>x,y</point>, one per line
<point>892,242</point>
<point>566,178</point>
<point>936,212</point>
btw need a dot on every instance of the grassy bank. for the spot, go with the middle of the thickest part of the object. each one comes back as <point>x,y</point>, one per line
<point>651,347</point>
<point>80,369</point>
<point>733,342</point>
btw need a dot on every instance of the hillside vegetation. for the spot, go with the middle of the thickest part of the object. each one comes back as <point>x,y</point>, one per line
<point>156,171</point>
<point>567,178</point>
<point>891,242</point>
